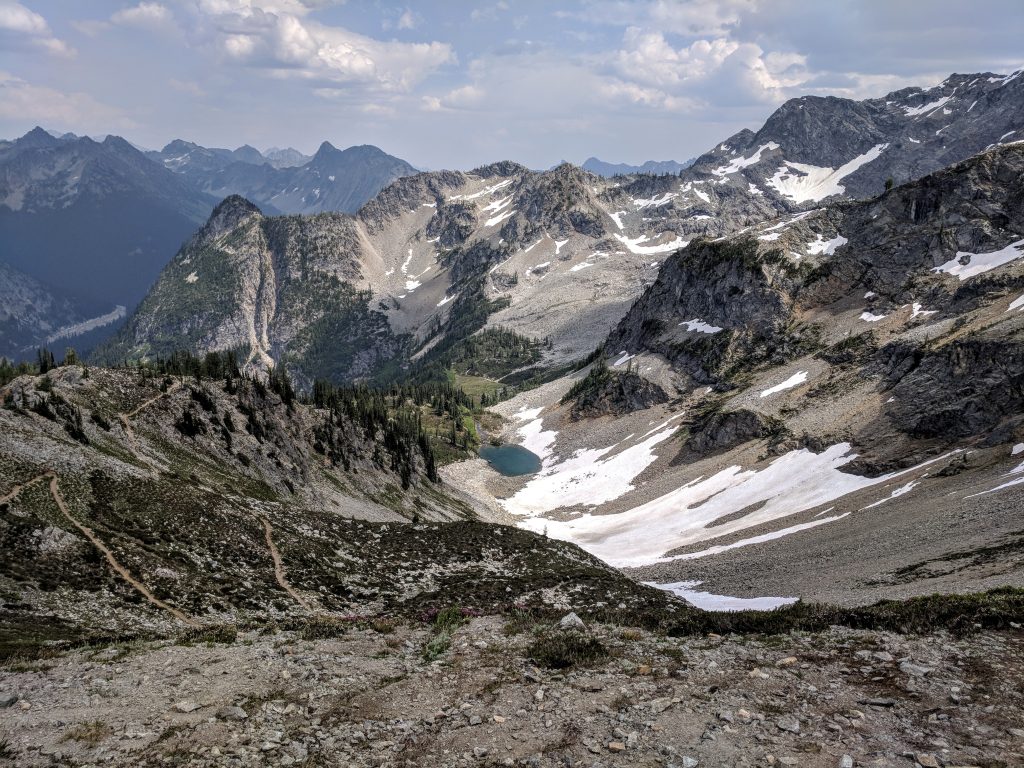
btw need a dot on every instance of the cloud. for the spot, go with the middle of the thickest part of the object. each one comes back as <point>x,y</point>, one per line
<point>408,20</point>
<point>489,12</point>
<point>694,18</point>
<point>186,87</point>
<point>146,14</point>
<point>21,27</point>
<point>463,97</point>
<point>275,35</point>
<point>27,104</point>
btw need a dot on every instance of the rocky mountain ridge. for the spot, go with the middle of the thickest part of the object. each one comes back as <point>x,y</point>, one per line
<point>287,182</point>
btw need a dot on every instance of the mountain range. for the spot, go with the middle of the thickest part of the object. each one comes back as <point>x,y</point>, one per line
<point>653,167</point>
<point>675,467</point>
<point>123,212</point>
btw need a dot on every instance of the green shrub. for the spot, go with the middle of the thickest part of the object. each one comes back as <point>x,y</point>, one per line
<point>561,650</point>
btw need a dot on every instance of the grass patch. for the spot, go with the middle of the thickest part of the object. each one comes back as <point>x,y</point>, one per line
<point>214,633</point>
<point>562,650</point>
<point>90,734</point>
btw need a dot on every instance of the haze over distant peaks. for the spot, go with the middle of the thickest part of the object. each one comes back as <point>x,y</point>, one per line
<point>653,167</point>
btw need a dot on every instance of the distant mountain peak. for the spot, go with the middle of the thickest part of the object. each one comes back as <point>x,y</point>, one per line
<point>229,213</point>
<point>38,137</point>
<point>650,167</point>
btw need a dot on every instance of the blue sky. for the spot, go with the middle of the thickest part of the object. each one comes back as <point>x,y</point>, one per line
<point>456,84</point>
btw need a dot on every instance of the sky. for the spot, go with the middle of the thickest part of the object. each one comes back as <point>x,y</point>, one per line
<point>457,84</point>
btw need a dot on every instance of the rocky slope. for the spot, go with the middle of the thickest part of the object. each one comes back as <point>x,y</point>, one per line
<point>134,499</point>
<point>282,289</point>
<point>842,399</point>
<point>369,698</point>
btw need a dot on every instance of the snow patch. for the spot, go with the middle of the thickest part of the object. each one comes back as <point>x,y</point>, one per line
<point>654,202</point>
<point>795,380</point>
<point>869,317</point>
<point>707,601</point>
<point>977,263</point>
<point>191,277</point>
<point>801,182</point>
<point>617,218</point>
<point>497,205</point>
<point>633,244</point>
<point>499,218</point>
<point>743,162</point>
<point>485,191</point>
<point>825,247</point>
<point>933,105</point>
<point>700,326</point>
<point>895,494</point>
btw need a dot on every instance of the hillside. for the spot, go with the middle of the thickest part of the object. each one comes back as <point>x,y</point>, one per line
<point>839,387</point>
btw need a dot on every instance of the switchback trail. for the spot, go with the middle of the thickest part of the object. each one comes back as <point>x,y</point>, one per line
<point>130,433</point>
<point>86,531</point>
<point>279,569</point>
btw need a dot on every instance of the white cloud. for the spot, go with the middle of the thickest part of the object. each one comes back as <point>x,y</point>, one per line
<point>694,18</point>
<point>408,20</point>
<point>276,36</point>
<point>24,103</point>
<point>24,27</point>
<point>488,12</point>
<point>145,14</point>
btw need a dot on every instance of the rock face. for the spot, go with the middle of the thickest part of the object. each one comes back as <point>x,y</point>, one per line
<point>719,431</point>
<point>280,289</point>
<point>715,306</point>
<point>942,253</point>
<point>606,392</point>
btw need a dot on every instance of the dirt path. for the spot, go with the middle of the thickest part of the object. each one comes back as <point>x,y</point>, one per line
<point>133,413</point>
<point>279,570</point>
<point>86,531</point>
<point>123,572</point>
<point>19,488</point>
<point>130,433</point>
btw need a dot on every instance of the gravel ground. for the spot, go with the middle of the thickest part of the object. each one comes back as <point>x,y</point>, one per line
<point>840,698</point>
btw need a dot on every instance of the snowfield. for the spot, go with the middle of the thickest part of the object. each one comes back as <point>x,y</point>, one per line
<point>587,478</point>
<point>795,482</point>
<point>801,182</point>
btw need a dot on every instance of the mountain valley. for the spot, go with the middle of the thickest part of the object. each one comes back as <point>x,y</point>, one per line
<point>774,398</point>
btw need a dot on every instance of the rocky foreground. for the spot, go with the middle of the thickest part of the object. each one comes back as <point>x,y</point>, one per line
<point>504,691</point>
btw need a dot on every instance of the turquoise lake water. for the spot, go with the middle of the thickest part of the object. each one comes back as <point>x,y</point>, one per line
<point>511,460</point>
